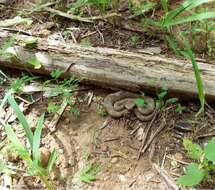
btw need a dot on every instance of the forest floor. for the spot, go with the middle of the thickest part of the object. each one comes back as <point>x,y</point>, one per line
<point>89,137</point>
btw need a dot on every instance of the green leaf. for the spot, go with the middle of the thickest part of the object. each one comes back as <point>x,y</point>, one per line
<point>185,6</point>
<point>194,150</point>
<point>139,102</point>
<point>31,42</point>
<point>7,44</point>
<point>193,176</point>
<point>12,136</point>
<point>172,101</point>
<point>21,119</point>
<point>89,172</point>
<point>164,4</point>
<point>36,139</point>
<point>209,150</point>
<point>189,54</point>
<point>35,62</point>
<point>192,18</point>
<point>56,74</point>
<point>51,161</point>
<point>162,94</point>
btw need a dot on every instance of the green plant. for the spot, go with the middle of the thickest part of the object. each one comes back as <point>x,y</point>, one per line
<point>160,97</point>
<point>53,107</point>
<point>205,158</point>
<point>139,8</point>
<point>56,74</point>
<point>189,54</point>
<point>17,85</point>
<point>100,4</point>
<point>89,172</point>
<point>7,44</point>
<point>133,40</point>
<point>101,111</point>
<point>31,155</point>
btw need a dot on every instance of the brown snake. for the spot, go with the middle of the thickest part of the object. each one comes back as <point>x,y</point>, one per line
<point>121,103</point>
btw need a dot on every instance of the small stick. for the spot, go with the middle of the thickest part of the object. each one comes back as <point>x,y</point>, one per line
<point>163,160</point>
<point>112,139</point>
<point>206,135</point>
<point>168,180</point>
<point>159,129</point>
<point>146,134</point>
<point>179,161</point>
<point>106,123</point>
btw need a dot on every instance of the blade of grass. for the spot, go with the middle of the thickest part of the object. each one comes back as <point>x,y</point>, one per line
<point>22,119</point>
<point>185,6</point>
<point>189,54</point>
<point>51,161</point>
<point>19,147</point>
<point>191,18</point>
<point>36,139</point>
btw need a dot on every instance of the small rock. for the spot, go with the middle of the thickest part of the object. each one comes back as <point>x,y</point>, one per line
<point>122,178</point>
<point>61,151</point>
<point>114,160</point>
<point>44,156</point>
<point>104,148</point>
<point>148,176</point>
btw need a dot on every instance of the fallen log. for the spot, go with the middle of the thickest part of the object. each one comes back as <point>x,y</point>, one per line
<point>113,68</point>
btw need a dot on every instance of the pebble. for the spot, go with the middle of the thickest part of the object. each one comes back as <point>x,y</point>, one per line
<point>114,160</point>
<point>122,178</point>
<point>104,148</point>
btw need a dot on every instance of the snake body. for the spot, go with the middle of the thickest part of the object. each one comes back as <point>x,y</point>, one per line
<point>121,103</point>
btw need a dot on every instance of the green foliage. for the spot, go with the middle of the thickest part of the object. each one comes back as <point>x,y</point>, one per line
<point>194,151</point>
<point>74,110</point>
<point>139,8</point>
<point>89,172</point>
<point>140,101</point>
<point>133,40</point>
<point>22,119</point>
<point>197,172</point>
<point>56,74</point>
<point>101,4</point>
<point>53,107</point>
<point>32,161</point>
<point>7,44</point>
<point>194,175</point>
<point>34,62</point>
<point>31,42</point>
<point>172,101</point>
<point>179,108</point>
<point>174,17</point>
<point>161,95</point>
<point>210,150</point>
<point>101,111</point>
<point>17,85</point>
<point>189,54</point>
<point>86,42</point>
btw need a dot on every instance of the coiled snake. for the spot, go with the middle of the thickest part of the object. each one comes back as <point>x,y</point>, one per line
<point>121,103</point>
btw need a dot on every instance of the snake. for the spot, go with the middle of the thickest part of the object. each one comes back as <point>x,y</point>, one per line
<point>119,104</point>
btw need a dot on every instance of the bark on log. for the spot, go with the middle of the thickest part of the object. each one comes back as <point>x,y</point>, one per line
<point>115,68</point>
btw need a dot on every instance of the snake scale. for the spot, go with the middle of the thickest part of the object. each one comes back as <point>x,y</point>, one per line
<point>121,103</point>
